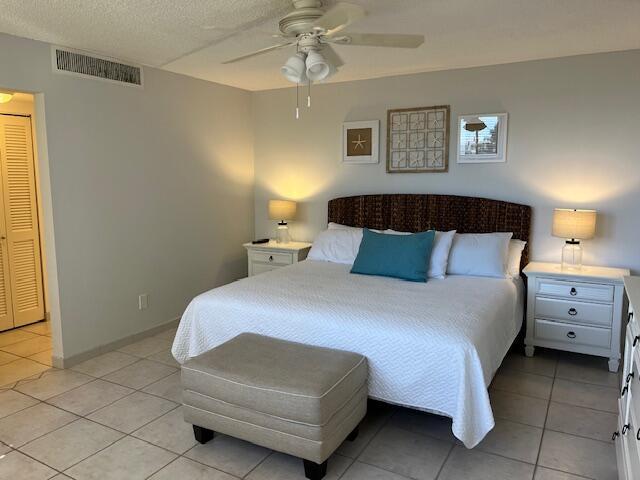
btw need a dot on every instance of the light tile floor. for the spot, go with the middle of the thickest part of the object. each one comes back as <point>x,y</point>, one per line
<point>24,352</point>
<point>118,416</point>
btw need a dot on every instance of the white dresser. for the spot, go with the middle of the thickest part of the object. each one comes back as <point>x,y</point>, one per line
<point>263,257</point>
<point>627,435</point>
<point>578,311</point>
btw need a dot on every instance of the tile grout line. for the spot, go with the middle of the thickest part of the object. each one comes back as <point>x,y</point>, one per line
<point>446,459</point>
<point>271,452</point>
<point>548,399</point>
<point>568,473</point>
<point>364,448</point>
<point>528,372</point>
<point>165,466</point>
<point>546,417</point>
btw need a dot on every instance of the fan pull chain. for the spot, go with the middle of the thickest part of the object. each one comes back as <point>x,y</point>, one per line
<point>309,93</point>
<point>297,101</point>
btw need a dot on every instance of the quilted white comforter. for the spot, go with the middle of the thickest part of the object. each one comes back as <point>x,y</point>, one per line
<point>433,346</point>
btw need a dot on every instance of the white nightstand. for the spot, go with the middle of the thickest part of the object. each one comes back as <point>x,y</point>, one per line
<point>578,311</point>
<point>264,257</point>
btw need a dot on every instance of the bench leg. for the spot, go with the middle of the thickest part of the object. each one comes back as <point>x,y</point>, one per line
<point>315,471</point>
<point>354,434</point>
<point>203,435</point>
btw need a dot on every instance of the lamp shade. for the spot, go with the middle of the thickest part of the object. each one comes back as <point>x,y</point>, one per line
<point>318,68</point>
<point>574,224</point>
<point>282,209</point>
<point>295,68</point>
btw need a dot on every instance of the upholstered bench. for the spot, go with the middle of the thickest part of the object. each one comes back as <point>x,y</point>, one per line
<point>289,397</point>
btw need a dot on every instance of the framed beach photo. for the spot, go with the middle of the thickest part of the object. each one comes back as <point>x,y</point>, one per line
<point>360,142</point>
<point>482,138</point>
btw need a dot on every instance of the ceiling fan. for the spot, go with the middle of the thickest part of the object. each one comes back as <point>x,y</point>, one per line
<point>312,30</point>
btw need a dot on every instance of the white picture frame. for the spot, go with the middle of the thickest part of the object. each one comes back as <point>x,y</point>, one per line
<point>348,156</point>
<point>493,141</point>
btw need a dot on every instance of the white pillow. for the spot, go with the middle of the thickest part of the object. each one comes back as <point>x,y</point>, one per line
<point>479,254</point>
<point>336,245</point>
<point>439,252</point>
<point>515,255</point>
<point>339,226</point>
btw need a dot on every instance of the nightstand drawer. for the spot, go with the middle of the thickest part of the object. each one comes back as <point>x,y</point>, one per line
<point>271,258</point>
<point>575,334</point>
<point>572,311</point>
<point>576,290</point>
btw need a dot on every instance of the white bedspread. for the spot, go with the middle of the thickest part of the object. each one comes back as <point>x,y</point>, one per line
<point>433,346</point>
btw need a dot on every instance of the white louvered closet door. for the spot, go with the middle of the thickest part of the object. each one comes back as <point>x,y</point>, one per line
<point>22,242</point>
<point>6,308</point>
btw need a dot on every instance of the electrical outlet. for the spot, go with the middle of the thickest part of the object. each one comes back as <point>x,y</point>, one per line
<point>143,301</point>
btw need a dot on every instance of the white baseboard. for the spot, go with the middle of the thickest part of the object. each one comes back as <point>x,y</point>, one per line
<point>60,362</point>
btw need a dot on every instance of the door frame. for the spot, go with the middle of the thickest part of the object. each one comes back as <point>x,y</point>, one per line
<point>45,216</point>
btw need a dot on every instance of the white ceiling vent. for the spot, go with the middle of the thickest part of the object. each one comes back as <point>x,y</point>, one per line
<point>73,62</point>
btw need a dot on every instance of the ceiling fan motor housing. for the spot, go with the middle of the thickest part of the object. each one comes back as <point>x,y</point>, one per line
<point>301,19</point>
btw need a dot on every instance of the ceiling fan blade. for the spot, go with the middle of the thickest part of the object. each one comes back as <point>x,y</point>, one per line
<point>338,17</point>
<point>379,40</point>
<point>258,52</point>
<point>332,56</point>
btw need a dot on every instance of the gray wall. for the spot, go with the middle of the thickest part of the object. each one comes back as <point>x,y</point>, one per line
<point>152,191</point>
<point>573,130</point>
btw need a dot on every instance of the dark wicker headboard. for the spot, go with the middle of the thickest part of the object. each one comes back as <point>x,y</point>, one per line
<point>420,212</point>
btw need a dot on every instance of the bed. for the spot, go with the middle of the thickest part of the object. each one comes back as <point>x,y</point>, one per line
<point>433,346</point>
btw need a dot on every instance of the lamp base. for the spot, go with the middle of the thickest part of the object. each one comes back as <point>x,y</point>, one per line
<point>282,233</point>
<point>572,255</point>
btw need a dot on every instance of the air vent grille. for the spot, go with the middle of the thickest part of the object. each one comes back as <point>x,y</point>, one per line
<point>99,68</point>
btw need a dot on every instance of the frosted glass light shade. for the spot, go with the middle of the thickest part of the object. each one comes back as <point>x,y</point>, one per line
<point>282,209</point>
<point>317,66</point>
<point>295,68</point>
<point>574,224</point>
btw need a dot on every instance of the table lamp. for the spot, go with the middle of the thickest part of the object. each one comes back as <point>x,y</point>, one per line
<point>573,225</point>
<point>282,210</point>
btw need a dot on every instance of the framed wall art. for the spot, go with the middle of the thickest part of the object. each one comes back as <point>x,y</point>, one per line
<point>418,139</point>
<point>482,138</point>
<point>360,142</point>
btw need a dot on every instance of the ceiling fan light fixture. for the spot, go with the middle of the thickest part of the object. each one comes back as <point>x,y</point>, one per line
<point>318,68</point>
<point>5,97</point>
<point>295,68</point>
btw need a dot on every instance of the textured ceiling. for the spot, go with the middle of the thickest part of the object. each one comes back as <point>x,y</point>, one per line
<point>193,36</point>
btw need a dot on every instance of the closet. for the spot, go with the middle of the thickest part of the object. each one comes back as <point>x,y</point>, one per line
<point>21,288</point>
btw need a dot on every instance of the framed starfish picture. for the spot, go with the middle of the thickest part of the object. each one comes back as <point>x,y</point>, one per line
<point>360,142</point>
<point>418,139</point>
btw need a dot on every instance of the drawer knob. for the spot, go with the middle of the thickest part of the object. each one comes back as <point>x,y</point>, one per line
<point>573,312</point>
<point>571,334</point>
<point>617,434</point>
<point>271,258</point>
<point>573,291</point>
